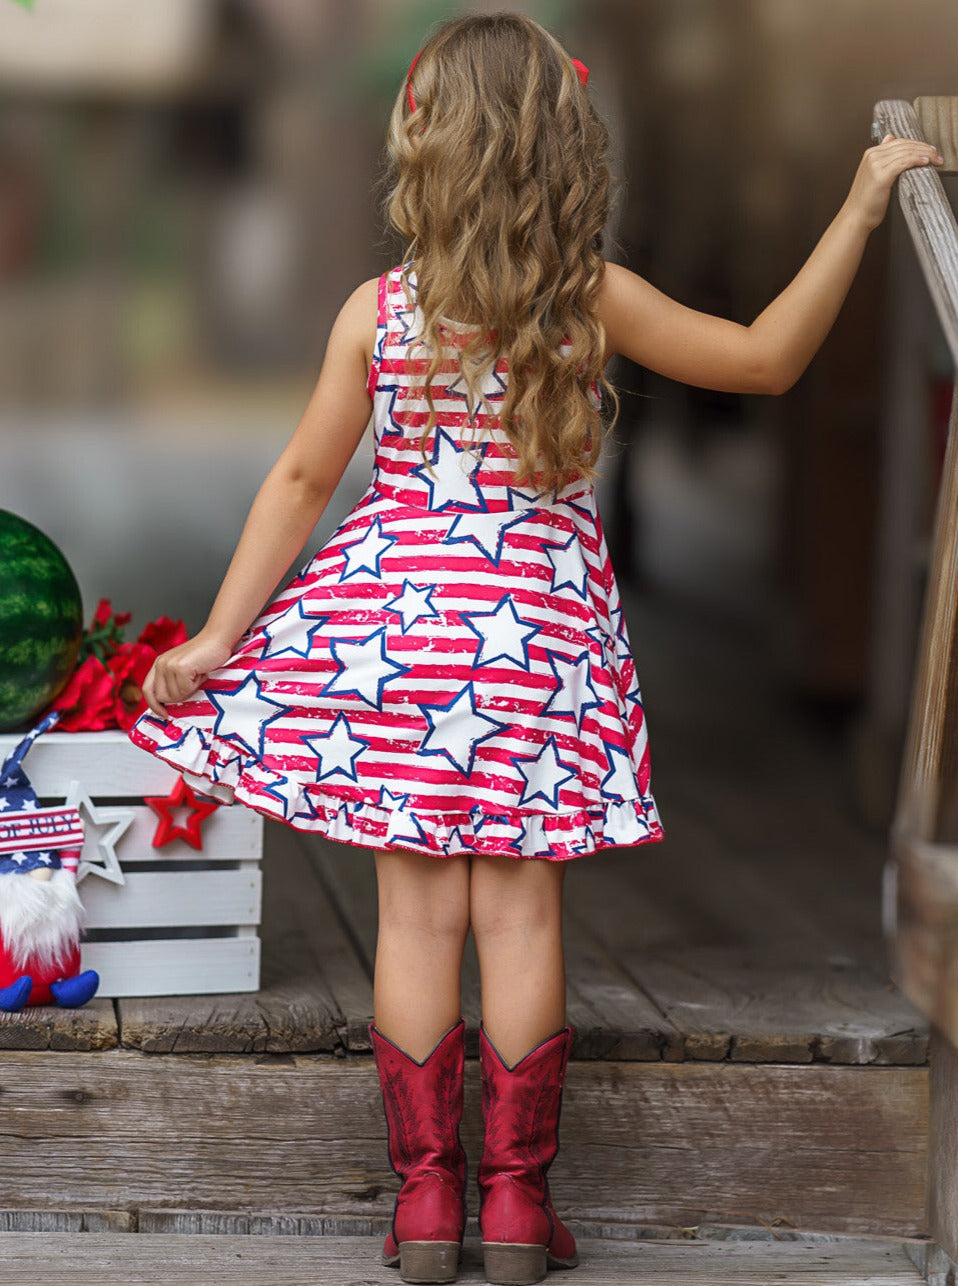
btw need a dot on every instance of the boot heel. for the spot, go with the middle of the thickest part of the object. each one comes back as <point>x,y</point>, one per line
<point>428,1261</point>
<point>508,1264</point>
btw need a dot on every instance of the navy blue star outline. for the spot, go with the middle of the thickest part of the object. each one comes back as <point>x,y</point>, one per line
<point>433,612</point>
<point>274,791</point>
<point>534,759</point>
<point>525,663</point>
<point>609,751</point>
<point>594,704</point>
<point>393,540</point>
<point>421,473</point>
<point>305,651</point>
<point>495,558</point>
<point>282,708</point>
<point>400,800</point>
<point>598,635</point>
<point>585,510</point>
<point>486,818</point>
<point>391,425</point>
<point>579,591</point>
<point>327,736</point>
<point>425,707</point>
<point>523,494</point>
<point>398,668</point>
<point>624,652</point>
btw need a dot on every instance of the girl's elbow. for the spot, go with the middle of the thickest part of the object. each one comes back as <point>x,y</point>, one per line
<point>776,380</point>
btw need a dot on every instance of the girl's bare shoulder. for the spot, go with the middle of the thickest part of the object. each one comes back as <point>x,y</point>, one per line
<point>359,316</point>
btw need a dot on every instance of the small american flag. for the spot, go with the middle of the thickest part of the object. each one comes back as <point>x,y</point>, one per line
<point>31,836</point>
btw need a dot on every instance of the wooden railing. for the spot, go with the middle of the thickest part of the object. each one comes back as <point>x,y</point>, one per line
<point>921,902</point>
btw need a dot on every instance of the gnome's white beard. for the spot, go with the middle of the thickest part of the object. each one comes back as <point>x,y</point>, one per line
<point>40,920</point>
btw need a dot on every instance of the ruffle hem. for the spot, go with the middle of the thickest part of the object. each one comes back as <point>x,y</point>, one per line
<point>212,766</point>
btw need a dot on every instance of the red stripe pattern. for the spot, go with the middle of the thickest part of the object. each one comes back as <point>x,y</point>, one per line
<point>451,673</point>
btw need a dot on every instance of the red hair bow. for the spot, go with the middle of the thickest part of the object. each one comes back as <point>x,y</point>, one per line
<point>582,72</point>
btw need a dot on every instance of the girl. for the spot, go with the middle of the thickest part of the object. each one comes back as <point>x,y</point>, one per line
<point>449,681</point>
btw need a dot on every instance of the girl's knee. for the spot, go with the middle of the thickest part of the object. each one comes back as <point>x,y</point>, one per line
<point>424,894</point>
<point>515,896</point>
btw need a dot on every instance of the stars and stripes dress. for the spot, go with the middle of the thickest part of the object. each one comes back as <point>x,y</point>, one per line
<point>451,673</point>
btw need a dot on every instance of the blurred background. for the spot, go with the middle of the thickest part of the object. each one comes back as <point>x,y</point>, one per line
<point>188,193</point>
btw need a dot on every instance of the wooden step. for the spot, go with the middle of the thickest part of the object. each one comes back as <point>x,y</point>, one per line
<point>714,1091</point>
<point>97,1259</point>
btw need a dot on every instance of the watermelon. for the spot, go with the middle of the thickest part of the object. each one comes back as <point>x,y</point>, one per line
<point>41,621</point>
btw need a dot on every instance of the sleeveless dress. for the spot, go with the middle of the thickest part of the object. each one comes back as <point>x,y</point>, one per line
<point>451,673</point>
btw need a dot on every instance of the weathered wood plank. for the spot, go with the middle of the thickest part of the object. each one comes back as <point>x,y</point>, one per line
<point>613,1018</point>
<point>48,1027</point>
<point>930,217</point>
<point>943,1144</point>
<point>774,1004</point>
<point>61,1221</point>
<point>296,1008</point>
<point>938,121</point>
<point>826,1147</point>
<point>96,1257</point>
<point>345,968</point>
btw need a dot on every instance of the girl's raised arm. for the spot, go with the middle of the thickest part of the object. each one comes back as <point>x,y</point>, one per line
<point>768,356</point>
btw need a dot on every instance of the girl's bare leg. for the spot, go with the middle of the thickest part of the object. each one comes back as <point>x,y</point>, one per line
<point>516,914</point>
<point>423,923</point>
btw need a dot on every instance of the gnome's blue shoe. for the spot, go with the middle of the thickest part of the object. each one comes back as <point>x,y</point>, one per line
<point>73,992</point>
<point>15,996</point>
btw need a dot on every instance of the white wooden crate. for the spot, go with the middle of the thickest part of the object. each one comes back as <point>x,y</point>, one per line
<point>185,921</point>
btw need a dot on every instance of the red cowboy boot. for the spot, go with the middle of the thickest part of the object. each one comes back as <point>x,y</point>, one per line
<point>423,1107</point>
<point>522,1237</point>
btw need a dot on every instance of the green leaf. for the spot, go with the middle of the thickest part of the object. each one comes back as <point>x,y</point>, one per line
<point>24,4</point>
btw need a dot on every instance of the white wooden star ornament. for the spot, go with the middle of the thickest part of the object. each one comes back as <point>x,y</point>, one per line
<point>102,830</point>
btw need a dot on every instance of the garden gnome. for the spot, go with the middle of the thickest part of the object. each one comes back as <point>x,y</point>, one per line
<point>41,915</point>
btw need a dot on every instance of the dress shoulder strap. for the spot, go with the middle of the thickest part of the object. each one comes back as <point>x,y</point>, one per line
<point>382,321</point>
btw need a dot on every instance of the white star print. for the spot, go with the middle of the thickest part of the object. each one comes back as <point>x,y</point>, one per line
<point>457,729</point>
<point>568,566</point>
<point>280,637</point>
<point>365,668</point>
<point>243,713</point>
<point>337,748</point>
<point>503,633</point>
<point>485,530</point>
<point>412,604</point>
<point>365,554</point>
<point>451,484</point>
<point>545,774</point>
<point>575,683</point>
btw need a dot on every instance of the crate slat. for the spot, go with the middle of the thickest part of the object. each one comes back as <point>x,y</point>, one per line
<point>105,763</point>
<point>231,834</point>
<point>150,899</point>
<point>174,967</point>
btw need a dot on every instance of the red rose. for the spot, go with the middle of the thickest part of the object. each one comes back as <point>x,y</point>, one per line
<point>104,611</point>
<point>162,634</point>
<point>87,700</point>
<point>129,666</point>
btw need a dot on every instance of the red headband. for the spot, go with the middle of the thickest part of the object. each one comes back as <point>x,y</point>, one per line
<point>582,72</point>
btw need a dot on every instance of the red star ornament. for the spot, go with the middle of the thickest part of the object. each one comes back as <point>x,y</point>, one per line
<point>180,796</point>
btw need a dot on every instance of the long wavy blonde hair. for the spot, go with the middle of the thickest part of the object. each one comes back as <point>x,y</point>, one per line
<point>499,184</point>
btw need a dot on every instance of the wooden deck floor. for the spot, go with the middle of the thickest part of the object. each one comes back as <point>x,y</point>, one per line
<point>92,1259</point>
<point>750,934</point>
